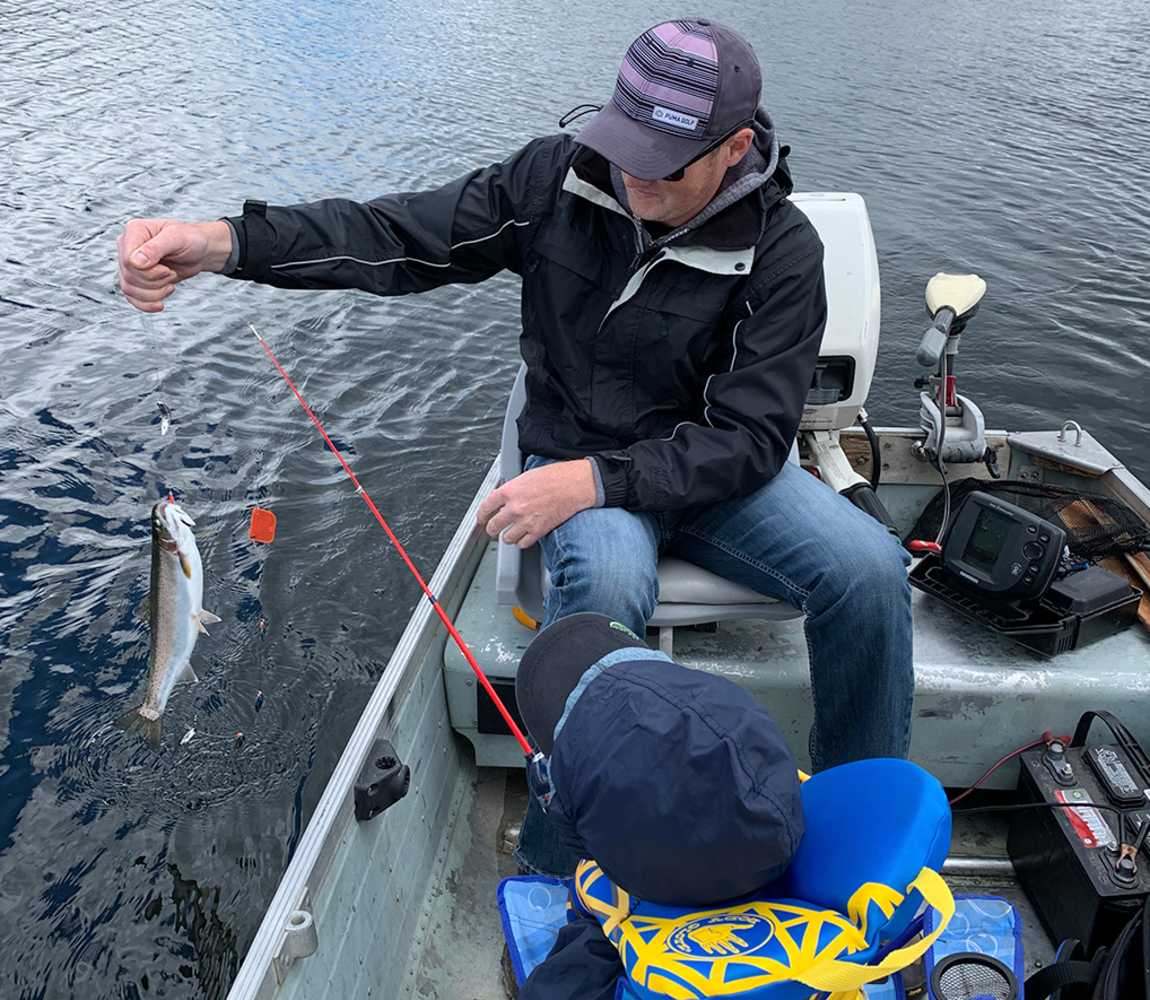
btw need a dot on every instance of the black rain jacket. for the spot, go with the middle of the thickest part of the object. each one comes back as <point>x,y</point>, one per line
<point>679,364</point>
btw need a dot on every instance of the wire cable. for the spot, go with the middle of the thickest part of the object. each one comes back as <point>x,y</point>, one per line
<point>939,464</point>
<point>872,440</point>
<point>995,766</point>
<point>1019,807</point>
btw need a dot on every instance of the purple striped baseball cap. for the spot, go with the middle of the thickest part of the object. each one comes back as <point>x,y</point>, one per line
<point>683,85</point>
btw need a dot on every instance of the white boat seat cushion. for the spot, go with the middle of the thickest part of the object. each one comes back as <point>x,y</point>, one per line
<point>681,582</point>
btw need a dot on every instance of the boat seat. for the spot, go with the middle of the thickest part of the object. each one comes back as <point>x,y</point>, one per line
<point>688,594</point>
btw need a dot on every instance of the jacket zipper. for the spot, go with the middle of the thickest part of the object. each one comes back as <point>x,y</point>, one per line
<point>643,266</point>
<point>638,265</point>
<point>641,244</point>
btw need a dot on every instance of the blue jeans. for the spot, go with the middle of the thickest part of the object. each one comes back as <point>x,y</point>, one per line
<point>795,539</point>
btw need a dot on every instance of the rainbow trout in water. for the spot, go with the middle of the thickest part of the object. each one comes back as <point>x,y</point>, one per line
<point>176,615</point>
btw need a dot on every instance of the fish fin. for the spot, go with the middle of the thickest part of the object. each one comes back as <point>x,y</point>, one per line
<point>144,608</point>
<point>185,565</point>
<point>208,618</point>
<point>189,674</point>
<point>200,625</point>
<point>136,722</point>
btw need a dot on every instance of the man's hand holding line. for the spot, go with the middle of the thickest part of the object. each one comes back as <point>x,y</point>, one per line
<point>157,254</point>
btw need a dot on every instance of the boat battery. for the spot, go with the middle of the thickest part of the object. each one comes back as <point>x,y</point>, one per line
<point>1067,859</point>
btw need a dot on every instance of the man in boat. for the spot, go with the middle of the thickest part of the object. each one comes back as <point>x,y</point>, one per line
<point>672,305</point>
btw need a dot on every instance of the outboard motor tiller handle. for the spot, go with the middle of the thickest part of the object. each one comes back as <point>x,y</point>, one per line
<point>933,342</point>
<point>836,471</point>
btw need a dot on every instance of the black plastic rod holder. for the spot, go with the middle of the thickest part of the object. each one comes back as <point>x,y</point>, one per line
<point>383,781</point>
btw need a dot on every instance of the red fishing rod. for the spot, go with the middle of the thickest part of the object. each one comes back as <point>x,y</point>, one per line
<point>467,654</point>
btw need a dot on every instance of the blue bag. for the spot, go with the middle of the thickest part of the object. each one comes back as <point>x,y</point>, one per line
<point>986,925</point>
<point>532,908</point>
<point>888,989</point>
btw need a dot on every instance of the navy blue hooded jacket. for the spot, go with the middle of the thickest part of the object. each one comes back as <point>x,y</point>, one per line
<point>674,780</point>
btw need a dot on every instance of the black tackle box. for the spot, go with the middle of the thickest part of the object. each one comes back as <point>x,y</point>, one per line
<point>1084,606</point>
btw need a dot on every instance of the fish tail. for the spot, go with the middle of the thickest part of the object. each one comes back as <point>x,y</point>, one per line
<point>136,721</point>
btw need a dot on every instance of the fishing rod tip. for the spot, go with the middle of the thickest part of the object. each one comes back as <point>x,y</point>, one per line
<point>255,331</point>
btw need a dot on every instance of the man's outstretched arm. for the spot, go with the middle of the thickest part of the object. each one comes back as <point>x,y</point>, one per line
<point>466,231</point>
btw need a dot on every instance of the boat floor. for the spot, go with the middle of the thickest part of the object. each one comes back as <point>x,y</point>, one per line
<point>458,950</point>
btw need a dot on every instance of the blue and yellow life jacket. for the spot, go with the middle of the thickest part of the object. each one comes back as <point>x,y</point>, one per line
<point>876,833</point>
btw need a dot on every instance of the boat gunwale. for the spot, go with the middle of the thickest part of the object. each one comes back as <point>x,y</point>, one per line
<point>1128,487</point>
<point>335,812</point>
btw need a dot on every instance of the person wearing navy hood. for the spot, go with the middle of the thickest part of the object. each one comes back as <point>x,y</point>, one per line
<point>675,781</point>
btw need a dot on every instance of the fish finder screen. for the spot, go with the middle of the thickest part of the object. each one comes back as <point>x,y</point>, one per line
<point>986,540</point>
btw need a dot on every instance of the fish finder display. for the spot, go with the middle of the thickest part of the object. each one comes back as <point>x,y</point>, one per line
<point>986,541</point>
<point>1001,549</point>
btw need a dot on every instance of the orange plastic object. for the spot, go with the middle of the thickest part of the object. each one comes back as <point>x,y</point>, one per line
<point>263,526</point>
<point>524,618</point>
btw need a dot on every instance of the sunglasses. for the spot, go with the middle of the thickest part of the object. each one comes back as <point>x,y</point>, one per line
<point>678,175</point>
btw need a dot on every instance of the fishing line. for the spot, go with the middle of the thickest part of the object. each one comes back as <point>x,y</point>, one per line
<point>463,648</point>
<point>148,325</point>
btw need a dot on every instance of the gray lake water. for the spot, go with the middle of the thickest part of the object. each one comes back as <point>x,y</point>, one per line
<point>1009,139</point>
